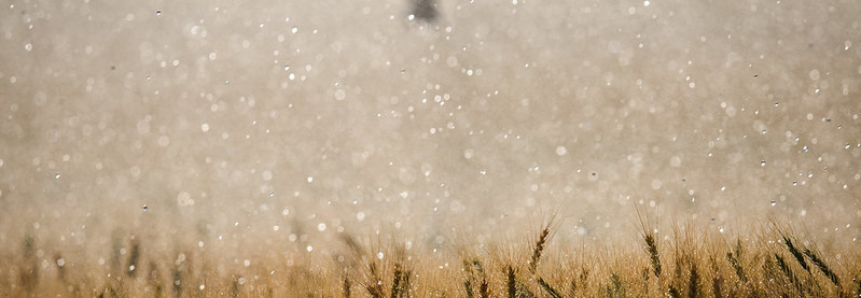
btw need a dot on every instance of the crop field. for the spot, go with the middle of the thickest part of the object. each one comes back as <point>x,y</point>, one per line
<point>687,262</point>
<point>430,148</point>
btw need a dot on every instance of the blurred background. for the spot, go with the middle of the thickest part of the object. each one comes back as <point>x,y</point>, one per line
<point>285,123</point>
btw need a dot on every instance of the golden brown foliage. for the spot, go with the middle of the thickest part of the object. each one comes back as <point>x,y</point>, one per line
<point>695,264</point>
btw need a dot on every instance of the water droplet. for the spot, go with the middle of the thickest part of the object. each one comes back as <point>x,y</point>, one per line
<point>309,248</point>
<point>158,12</point>
<point>380,255</point>
<point>805,149</point>
<point>773,203</point>
<point>762,163</point>
<point>340,94</point>
<point>57,176</point>
<point>468,153</point>
<point>145,208</point>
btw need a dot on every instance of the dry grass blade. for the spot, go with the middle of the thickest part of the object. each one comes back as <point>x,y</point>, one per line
<point>654,256</point>
<point>235,288</point>
<point>61,269</point>
<point>735,260</point>
<point>511,283</point>
<point>153,278</point>
<point>694,281</point>
<point>549,289</point>
<point>822,267</point>
<point>674,292</point>
<point>717,286</point>
<point>717,279</point>
<point>347,286</point>
<point>524,292</point>
<point>29,277</point>
<point>352,244</point>
<point>177,282</point>
<point>651,245</point>
<point>375,285</point>
<point>397,286</point>
<point>468,267</point>
<point>616,288</point>
<point>784,267</point>
<point>467,285</point>
<point>134,258</point>
<point>538,250</point>
<point>796,253</point>
<point>405,284</point>
<point>858,291</point>
<point>483,290</point>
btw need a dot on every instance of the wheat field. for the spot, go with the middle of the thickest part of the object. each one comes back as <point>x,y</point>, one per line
<point>685,261</point>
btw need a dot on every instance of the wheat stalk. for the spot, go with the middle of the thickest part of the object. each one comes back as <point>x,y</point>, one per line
<point>822,267</point>
<point>539,249</point>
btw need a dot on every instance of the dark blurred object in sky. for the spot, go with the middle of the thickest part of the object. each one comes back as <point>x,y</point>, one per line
<point>424,10</point>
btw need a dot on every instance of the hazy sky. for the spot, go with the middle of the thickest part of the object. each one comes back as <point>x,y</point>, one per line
<point>292,118</point>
